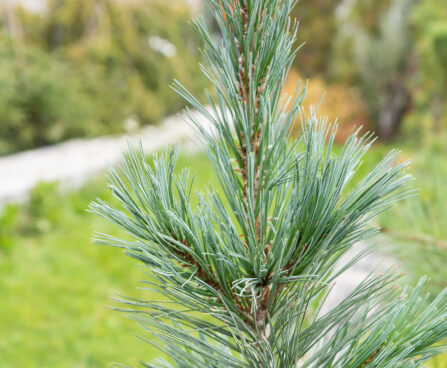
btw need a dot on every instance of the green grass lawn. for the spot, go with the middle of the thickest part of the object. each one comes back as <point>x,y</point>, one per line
<point>55,287</point>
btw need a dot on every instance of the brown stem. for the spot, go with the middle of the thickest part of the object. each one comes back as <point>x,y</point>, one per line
<point>203,275</point>
<point>262,313</point>
<point>370,359</point>
<point>243,86</point>
<point>244,92</point>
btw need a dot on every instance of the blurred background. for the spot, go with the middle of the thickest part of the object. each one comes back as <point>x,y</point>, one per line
<point>79,77</point>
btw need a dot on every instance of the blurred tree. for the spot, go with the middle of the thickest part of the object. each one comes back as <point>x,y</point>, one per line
<point>351,16</point>
<point>10,21</point>
<point>430,31</point>
<point>318,28</point>
<point>382,58</point>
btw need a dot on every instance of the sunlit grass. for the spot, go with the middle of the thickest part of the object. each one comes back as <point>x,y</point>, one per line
<point>55,287</point>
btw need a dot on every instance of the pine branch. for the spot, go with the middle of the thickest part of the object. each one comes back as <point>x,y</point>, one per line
<point>204,275</point>
<point>249,267</point>
<point>245,82</point>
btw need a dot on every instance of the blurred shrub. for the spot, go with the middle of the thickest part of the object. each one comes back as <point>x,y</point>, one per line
<point>363,43</point>
<point>41,101</point>
<point>326,24</point>
<point>318,28</point>
<point>9,220</point>
<point>352,16</point>
<point>130,51</point>
<point>43,210</point>
<point>41,213</point>
<point>86,67</point>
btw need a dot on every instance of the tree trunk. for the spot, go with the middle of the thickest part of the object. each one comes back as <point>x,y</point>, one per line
<point>393,111</point>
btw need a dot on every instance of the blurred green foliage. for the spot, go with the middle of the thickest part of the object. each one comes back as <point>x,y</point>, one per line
<point>417,226</point>
<point>55,287</point>
<point>317,30</point>
<point>41,101</point>
<point>326,29</point>
<point>439,362</point>
<point>92,67</point>
<point>353,16</point>
<point>86,67</point>
<point>323,25</point>
<point>430,85</point>
<point>392,51</point>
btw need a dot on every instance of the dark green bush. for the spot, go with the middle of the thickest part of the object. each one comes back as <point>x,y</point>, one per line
<point>86,67</point>
<point>41,101</point>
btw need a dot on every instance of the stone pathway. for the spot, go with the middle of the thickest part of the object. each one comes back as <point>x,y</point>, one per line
<point>73,162</point>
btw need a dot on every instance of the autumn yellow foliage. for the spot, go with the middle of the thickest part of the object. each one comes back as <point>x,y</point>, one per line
<point>338,102</point>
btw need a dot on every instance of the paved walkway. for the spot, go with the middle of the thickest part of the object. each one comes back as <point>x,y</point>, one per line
<point>73,162</point>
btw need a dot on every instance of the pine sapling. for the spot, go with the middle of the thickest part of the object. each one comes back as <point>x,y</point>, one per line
<point>244,270</point>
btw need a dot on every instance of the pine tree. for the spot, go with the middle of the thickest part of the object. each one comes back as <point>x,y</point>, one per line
<point>243,274</point>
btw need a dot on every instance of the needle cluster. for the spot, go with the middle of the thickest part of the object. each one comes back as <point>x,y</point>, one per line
<point>244,272</point>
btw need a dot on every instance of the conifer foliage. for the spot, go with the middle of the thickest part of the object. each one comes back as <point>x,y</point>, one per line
<point>244,272</point>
